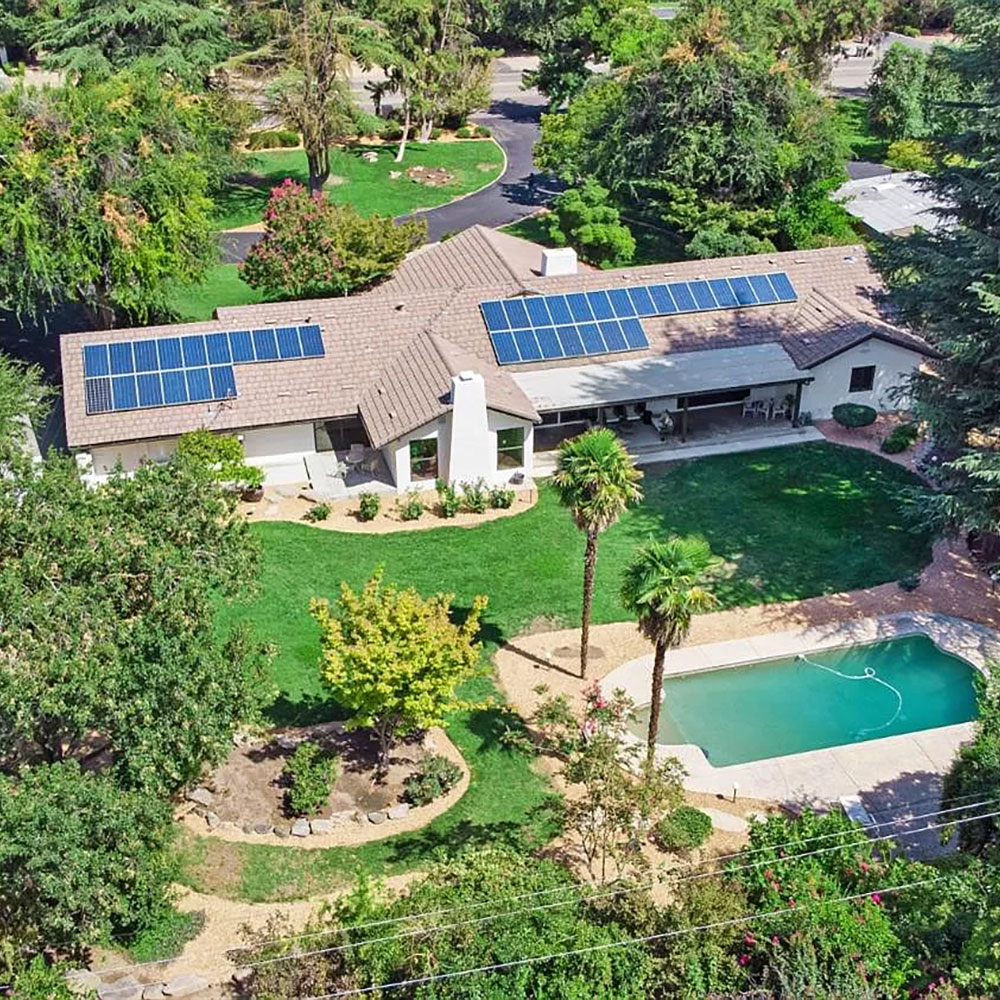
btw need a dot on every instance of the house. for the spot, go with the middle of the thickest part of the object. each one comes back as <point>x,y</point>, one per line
<point>895,203</point>
<point>482,353</point>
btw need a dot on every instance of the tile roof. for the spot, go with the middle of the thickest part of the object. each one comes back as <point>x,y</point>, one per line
<point>391,352</point>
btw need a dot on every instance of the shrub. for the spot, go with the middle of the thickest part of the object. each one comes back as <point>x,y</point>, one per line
<point>909,583</point>
<point>474,497</point>
<point>318,512</point>
<point>683,829</point>
<point>501,498</point>
<point>392,131</point>
<point>309,773</point>
<point>482,132</point>
<point>274,139</point>
<point>368,506</point>
<point>900,438</point>
<point>586,219</point>
<point>436,776</point>
<point>219,456</point>
<point>412,507</point>
<point>435,133</point>
<point>910,154</point>
<point>465,132</point>
<point>448,499</point>
<point>854,415</point>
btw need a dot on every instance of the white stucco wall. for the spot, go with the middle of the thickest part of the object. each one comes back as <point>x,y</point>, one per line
<point>279,444</point>
<point>832,379</point>
<point>105,457</point>
<point>397,453</point>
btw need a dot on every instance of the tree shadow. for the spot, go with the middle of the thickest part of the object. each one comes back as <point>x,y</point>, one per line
<point>307,710</point>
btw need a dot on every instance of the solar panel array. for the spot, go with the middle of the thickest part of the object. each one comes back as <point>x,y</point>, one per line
<point>171,371</point>
<point>547,327</point>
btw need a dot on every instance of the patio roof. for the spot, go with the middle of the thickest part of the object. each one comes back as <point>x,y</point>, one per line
<point>646,378</point>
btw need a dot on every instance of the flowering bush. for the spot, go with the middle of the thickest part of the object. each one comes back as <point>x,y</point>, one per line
<point>312,247</point>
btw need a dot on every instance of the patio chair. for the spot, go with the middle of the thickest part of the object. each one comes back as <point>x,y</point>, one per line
<point>781,411</point>
<point>749,407</point>
<point>356,455</point>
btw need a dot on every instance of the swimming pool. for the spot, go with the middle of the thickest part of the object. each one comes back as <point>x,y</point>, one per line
<point>824,699</point>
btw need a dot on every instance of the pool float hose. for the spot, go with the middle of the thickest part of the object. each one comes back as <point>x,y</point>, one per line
<point>868,675</point>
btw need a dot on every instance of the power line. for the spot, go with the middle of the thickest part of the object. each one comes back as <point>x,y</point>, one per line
<point>622,943</point>
<point>491,918</point>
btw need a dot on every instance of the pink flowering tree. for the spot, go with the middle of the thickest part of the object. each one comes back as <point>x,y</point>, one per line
<point>312,248</point>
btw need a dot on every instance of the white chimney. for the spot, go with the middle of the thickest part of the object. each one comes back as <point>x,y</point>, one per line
<point>558,262</point>
<point>471,455</point>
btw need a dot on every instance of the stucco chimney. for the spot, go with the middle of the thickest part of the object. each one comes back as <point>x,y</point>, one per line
<point>471,454</point>
<point>558,262</point>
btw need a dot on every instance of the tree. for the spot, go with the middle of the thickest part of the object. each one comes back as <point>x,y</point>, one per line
<point>24,401</point>
<point>897,93</point>
<point>105,194</point>
<point>20,23</point>
<point>313,247</point>
<point>664,587</point>
<point>596,479</point>
<point>81,860</point>
<point>704,134</point>
<point>395,658</point>
<point>583,218</point>
<point>137,678</point>
<point>946,286</point>
<point>94,39</point>
<point>221,457</point>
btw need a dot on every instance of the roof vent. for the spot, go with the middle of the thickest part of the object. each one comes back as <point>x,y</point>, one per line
<point>558,262</point>
<point>851,259</point>
<point>400,306</point>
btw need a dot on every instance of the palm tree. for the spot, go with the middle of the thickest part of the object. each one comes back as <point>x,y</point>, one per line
<point>597,480</point>
<point>663,587</point>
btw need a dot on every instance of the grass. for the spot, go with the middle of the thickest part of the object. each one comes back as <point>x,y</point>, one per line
<point>791,522</point>
<point>223,287</point>
<point>367,186</point>
<point>652,246</point>
<point>166,936</point>
<point>851,114</point>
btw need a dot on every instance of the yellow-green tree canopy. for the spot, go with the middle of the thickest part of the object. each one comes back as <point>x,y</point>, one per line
<point>395,658</point>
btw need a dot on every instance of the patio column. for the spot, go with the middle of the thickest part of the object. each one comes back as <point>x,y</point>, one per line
<point>684,421</point>
<point>798,402</point>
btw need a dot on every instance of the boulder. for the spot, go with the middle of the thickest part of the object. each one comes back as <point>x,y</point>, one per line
<point>344,816</point>
<point>212,820</point>
<point>370,156</point>
<point>300,828</point>
<point>377,816</point>
<point>153,992</point>
<point>281,831</point>
<point>200,795</point>
<point>184,985</point>
<point>321,825</point>
<point>263,828</point>
<point>247,827</point>
<point>398,812</point>
<point>82,980</point>
<point>127,988</point>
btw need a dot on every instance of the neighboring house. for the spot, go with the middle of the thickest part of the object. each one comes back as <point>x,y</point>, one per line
<point>895,203</point>
<point>469,361</point>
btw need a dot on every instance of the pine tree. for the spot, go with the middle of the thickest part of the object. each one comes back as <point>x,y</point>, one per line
<point>947,285</point>
<point>93,39</point>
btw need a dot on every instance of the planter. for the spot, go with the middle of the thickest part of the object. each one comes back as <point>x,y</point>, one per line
<point>253,494</point>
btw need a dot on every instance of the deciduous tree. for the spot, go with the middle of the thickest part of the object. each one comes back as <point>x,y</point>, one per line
<point>395,658</point>
<point>313,247</point>
<point>583,218</point>
<point>597,481</point>
<point>106,194</point>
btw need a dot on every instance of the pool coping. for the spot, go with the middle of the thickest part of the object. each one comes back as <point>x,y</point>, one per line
<point>819,777</point>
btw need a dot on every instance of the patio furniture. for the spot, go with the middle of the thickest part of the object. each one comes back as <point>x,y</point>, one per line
<point>665,426</point>
<point>758,408</point>
<point>749,407</point>
<point>781,411</point>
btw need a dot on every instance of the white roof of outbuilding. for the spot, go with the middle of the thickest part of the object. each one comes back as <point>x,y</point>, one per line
<point>895,203</point>
<point>647,378</point>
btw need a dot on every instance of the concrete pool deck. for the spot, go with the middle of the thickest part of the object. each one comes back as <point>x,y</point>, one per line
<point>819,777</point>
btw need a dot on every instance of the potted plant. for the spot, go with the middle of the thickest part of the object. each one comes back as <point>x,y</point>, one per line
<point>253,484</point>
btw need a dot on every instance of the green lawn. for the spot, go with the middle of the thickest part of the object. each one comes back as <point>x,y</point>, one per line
<point>793,522</point>
<point>367,186</point>
<point>851,115</point>
<point>652,246</point>
<point>223,287</point>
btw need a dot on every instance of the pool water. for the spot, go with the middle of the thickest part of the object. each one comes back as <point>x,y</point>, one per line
<point>778,707</point>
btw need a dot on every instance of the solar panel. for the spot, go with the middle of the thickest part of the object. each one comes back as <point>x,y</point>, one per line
<point>607,321</point>
<point>169,371</point>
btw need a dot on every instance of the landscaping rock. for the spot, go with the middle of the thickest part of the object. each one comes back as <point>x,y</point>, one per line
<point>184,985</point>
<point>200,795</point>
<point>300,828</point>
<point>281,831</point>
<point>321,825</point>
<point>370,156</point>
<point>153,992</point>
<point>127,988</point>
<point>242,978</point>
<point>263,828</point>
<point>345,816</point>
<point>82,980</point>
<point>212,820</point>
<point>247,828</point>
<point>398,812</point>
<point>377,816</point>
<point>285,742</point>
<point>394,175</point>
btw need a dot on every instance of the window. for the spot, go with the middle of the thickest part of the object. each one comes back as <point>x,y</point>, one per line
<point>713,398</point>
<point>510,448</point>
<point>862,379</point>
<point>424,459</point>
